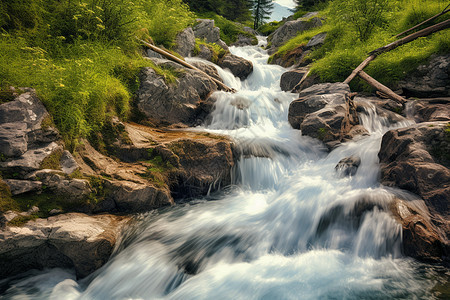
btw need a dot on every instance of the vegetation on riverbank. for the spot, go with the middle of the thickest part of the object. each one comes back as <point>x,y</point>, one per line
<point>357,27</point>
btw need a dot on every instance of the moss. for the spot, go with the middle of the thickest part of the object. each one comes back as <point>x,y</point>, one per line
<point>53,161</point>
<point>322,133</point>
<point>22,220</point>
<point>6,94</point>
<point>217,51</point>
<point>47,122</point>
<point>6,201</point>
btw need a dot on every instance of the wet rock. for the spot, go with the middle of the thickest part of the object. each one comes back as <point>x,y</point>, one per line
<point>166,103</point>
<point>185,42</point>
<point>239,66</point>
<point>429,110</point>
<point>291,78</point>
<point>296,57</point>
<point>421,239</point>
<point>348,166</point>
<point>291,29</point>
<point>429,80</point>
<point>65,241</point>
<point>416,159</point>
<point>206,165</point>
<point>205,53</point>
<point>208,69</point>
<point>317,40</point>
<point>133,197</point>
<point>323,111</point>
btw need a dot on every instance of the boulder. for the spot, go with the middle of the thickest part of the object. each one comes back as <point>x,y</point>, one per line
<point>185,42</point>
<point>429,80</point>
<point>245,40</point>
<point>64,241</point>
<point>317,40</point>
<point>421,239</point>
<point>206,165</point>
<point>208,69</point>
<point>348,166</point>
<point>429,110</point>
<point>18,187</point>
<point>291,78</point>
<point>323,111</point>
<point>68,163</point>
<point>153,54</point>
<point>239,66</point>
<point>134,197</point>
<point>171,103</point>
<point>205,30</point>
<point>291,29</point>
<point>205,53</point>
<point>21,125</point>
<point>416,158</point>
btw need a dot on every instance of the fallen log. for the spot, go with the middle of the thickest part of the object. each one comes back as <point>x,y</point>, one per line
<point>424,32</point>
<point>187,65</point>
<point>446,10</point>
<point>384,89</point>
<point>359,68</point>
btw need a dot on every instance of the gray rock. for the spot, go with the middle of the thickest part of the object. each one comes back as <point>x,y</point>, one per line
<point>173,103</point>
<point>317,40</point>
<point>153,54</point>
<point>133,197</point>
<point>68,163</point>
<point>208,69</point>
<point>245,40</point>
<point>348,166</point>
<point>239,66</point>
<point>291,78</point>
<point>205,53</point>
<point>291,29</point>
<point>429,80</point>
<point>185,42</point>
<point>18,187</point>
<point>205,29</point>
<point>324,112</point>
<point>30,161</point>
<point>429,110</point>
<point>17,119</point>
<point>65,241</point>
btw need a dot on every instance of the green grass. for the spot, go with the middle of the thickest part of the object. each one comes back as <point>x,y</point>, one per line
<point>343,50</point>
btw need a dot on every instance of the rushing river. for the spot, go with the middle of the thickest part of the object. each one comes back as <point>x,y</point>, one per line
<point>289,228</point>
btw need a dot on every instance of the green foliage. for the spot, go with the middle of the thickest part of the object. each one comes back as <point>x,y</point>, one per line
<point>229,30</point>
<point>236,10</point>
<point>268,28</point>
<point>261,11</point>
<point>344,50</point>
<point>6,201</point>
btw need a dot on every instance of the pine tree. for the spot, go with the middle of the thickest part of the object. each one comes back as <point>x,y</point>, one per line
<point>261,11</point>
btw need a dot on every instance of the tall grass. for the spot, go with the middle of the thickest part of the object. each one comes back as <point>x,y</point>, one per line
<point>82,56</point>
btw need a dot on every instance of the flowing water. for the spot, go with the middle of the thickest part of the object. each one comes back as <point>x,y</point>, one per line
<point>289,228</point>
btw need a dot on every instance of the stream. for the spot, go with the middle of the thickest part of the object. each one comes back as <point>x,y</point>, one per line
<point>288,228</point>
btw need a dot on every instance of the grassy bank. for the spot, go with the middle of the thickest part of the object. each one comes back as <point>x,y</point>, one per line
<point>354,30</point>
<point>82,56</point>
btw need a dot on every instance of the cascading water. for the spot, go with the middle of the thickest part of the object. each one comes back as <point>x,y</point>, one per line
<point>289,229</point>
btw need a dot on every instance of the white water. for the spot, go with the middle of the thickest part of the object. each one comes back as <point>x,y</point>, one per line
<point>290,228</point>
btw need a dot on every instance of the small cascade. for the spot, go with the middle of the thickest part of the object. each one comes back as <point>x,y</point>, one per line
<point>290,227</point>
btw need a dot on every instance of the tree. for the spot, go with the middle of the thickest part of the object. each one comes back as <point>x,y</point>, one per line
<point>306,4</point>
<point>261,11</point>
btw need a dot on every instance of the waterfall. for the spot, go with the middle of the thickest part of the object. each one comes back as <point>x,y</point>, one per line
<point>289,227</point>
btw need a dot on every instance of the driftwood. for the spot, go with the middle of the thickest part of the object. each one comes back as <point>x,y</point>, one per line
<point>172,57</point>
<point>294,90</point>
<point>384,89</point>
<point>446,10</point>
